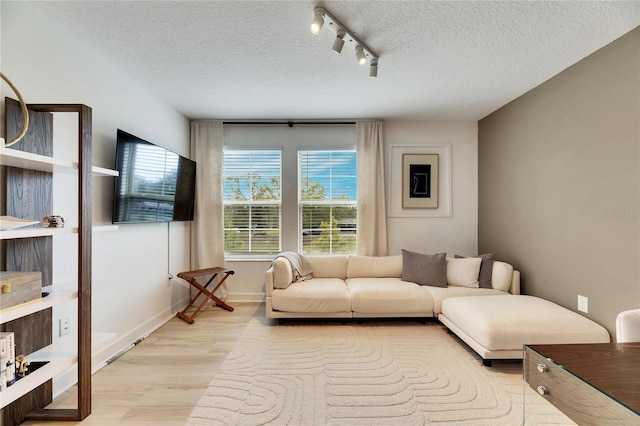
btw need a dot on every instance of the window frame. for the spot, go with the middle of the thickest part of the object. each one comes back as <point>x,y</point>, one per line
<point>331,202</point>
<point>289,140</point>
<point>225,203</point>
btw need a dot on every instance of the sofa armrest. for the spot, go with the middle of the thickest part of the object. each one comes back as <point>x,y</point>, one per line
<point>515,283</point>
<point>268,281</point>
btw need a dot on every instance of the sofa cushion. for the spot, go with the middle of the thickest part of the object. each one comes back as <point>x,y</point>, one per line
<point>424,269</point>
<point>315,295</point>
<point>509,321</point>
<point>501,276</point>
<point>463,272</point>
<point>333,266</point>
<point>282,273</point>
<point>374,266</point>
<point>388,296</point>
<point>486,268</point>
<point>439,294</point>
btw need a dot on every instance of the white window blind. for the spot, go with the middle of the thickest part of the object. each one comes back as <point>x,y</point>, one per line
<point>252,201</point>
<point>327,184</point>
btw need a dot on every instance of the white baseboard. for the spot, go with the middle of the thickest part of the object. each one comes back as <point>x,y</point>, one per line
<point>105,353</point>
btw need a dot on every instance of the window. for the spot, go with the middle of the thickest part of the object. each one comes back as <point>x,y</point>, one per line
<point>289,189</point>
<point>327,201</point>
<point>252,202</point>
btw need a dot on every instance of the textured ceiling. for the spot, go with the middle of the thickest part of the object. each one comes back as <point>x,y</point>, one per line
<point>258,60</point>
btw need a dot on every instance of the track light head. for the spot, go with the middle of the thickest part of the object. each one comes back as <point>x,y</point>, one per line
<point>373,69</point>
<point>339,42</point>
<point>318,20</point>
<point>360,56</point>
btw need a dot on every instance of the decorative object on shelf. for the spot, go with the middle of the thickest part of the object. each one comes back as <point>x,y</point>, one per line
<point>19,287</point>
<point>9,222</point>
<point>52,222</point>
<point>23,366</point>
<point>25,112</point>
<point>8,359</point>
<point>420,181</point>
<point>343,33</point>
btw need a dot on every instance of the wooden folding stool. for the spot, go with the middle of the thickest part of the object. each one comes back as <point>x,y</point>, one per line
<point>190,277</point>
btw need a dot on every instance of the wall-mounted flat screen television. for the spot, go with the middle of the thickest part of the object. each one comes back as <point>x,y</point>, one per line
<point>155,184</point>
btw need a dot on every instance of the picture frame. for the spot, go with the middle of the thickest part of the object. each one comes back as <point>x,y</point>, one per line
<point>394,178</point>
<point>420,181</point>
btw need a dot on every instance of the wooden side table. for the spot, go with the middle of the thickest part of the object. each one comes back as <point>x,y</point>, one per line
<point>191,278</point>
<point>592,383</point>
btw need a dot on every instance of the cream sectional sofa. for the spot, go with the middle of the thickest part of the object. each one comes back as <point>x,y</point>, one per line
<point>351,286</point>
<point>492,317</point>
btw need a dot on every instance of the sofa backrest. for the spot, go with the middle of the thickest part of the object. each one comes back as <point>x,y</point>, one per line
<point>332,266</point>
<point>374,266</point>
<point>503,278</point>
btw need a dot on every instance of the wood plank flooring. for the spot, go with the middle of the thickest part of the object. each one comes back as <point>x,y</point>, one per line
<point>159,381</point>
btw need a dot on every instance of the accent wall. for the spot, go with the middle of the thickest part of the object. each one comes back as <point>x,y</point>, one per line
<point>559,183</point>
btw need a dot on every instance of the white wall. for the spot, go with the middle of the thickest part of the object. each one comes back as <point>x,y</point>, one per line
<point>456,234</point>
<point>131,292</point>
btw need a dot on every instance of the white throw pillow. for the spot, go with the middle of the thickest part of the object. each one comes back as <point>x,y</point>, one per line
<point>374,266</point>
<point>464,272</point>
<point>501,276</point>
<point>282,273</point>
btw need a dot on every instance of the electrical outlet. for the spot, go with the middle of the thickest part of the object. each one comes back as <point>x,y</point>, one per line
<point>583,304</point>
<point>65,325</point>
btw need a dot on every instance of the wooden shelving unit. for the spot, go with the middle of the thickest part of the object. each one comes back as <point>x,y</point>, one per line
<point>23,400</point>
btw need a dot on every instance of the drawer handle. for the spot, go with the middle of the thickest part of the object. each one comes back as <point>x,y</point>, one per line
<point>542,368</point>
<point>542,390</point>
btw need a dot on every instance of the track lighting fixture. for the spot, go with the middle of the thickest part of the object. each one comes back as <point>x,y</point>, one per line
<point>343,34</point>
<point>373,68</point>
<point>318,20</point>
<point>339,43</point>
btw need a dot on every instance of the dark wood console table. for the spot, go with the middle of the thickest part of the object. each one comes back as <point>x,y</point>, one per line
<point>596,384</point>
<point>191,278</point>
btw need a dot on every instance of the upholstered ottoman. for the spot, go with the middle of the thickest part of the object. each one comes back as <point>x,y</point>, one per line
<point>497,327</point>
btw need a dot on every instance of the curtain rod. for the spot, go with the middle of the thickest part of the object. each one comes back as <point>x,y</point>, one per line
<point>288,123</point>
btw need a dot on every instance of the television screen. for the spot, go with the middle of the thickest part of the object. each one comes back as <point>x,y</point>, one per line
<point>155,185</point>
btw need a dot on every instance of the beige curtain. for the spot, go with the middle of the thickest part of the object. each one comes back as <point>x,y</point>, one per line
<point>207,229</point>
<point>372,212</point>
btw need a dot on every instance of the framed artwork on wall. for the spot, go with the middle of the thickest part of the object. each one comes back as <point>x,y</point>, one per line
<point>420,181</point>
<point>432,200</point>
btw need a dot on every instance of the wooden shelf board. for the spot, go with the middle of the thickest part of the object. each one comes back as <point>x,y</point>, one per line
<point>101,171</point>
<point>28,160</point>
<point>35,379</point>
<point>55,297</point>
<point>42,163</point>
<point>36,232</point>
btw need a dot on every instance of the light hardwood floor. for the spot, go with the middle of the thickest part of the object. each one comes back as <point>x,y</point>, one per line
<point>159,381</point>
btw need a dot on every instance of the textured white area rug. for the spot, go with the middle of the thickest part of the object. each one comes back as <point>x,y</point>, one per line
<point>374,373</point>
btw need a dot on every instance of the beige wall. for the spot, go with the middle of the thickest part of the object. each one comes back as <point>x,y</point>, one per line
<point>559,183</point>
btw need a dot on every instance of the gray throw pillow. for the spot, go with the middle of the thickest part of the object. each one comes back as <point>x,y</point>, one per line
<point>424,269</point>
<point>486,269</point>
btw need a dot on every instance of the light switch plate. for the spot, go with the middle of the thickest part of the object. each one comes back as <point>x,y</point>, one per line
<point>583,304</point>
